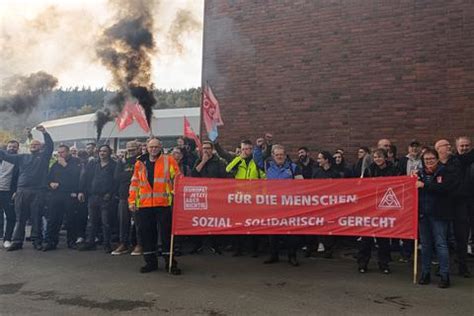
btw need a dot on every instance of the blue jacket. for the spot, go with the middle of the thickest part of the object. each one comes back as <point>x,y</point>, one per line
<point>33,168</point>
<point>272,170</point>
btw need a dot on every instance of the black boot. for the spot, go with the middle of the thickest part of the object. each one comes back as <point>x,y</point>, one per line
<point>174,266</point>
<point>37,245</point>
<point>151,263</point>
<point>272,259</point>
<point>107,248</point>
<point>49,247</point>
<point>384,268</point>
<point>216,250</point>
<point>292,261</point>
<point>362,265</point>
<point>464,271</point>
<point>425,279</point>
<point>444,283</point>
<point>15,246</point>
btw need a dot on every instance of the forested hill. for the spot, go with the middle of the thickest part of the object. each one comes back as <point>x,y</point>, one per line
<point>76,101</point>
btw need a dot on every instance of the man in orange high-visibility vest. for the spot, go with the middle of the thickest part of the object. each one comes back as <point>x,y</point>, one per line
<point>151,190</point>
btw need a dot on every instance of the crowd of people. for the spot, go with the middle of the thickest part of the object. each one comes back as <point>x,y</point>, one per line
<point>103,199</point>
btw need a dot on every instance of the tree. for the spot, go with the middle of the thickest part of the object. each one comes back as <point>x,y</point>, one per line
<point>5,136</point>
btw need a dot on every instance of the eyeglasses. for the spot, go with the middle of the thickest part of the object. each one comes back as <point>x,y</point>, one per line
<point>429,159</point>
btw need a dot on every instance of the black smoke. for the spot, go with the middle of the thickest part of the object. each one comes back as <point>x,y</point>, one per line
<point>22,94</point>
<point>125,49</point>
<point>102,117</point>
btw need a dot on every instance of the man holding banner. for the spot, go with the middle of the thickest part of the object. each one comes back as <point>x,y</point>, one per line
<point>325,170</point>
<point>381,167</point>
<point>279,167</point>
<point>243,167</point>
<point>208,166</point>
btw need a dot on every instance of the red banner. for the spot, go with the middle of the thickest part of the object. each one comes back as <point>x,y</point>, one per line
<point>378,207</point>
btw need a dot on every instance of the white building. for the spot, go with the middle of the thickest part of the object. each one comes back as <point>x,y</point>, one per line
<point>166,124</point>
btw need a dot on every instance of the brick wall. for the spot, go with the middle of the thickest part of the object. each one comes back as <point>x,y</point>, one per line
<point>333,74</point>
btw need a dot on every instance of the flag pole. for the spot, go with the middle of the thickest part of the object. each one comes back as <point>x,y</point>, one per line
<point>415,261</point>
<point>203,72</point>
<point>201,111</point>
<point>171,253</point>
<point>170,263</point>
<point>111,131</point>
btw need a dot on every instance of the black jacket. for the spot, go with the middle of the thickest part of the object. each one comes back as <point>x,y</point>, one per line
<point>435,198</point>
<point>227,156</point>
<point>466,165</point>
<point>33,168</point>
<point>307,170</point>
<point>320,173</point>
<point>67,177</point>
<point>98,180</point>
<point>189,159</point>
<point>357,168</point>
<point>389,171</point>
<point>343,171</point>
<point>214,168</point>
<point>184,169</point>
<point>123,175</point>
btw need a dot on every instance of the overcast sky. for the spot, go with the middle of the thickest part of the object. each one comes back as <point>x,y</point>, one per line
<point>58,36</point>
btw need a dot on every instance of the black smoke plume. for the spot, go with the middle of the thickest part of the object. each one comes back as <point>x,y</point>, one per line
<point>126,49</point>
<point>146,98</point>
<point>21,94</point>
<point>102,117</point>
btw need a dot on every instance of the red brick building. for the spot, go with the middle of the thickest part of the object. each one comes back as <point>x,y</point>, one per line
<point>333,74</point>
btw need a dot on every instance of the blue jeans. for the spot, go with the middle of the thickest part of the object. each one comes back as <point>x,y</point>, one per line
<point>434,234</point>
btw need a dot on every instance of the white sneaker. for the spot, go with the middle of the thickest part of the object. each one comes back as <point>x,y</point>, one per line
<point>79,240</point>
<point>321,247</point>
<point>7,244</point>
<point>137,251</point>
<point>122,249</point>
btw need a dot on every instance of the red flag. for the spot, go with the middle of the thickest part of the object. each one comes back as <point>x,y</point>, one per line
<point>189,133</point>
<point>126,117</point>
<point>140,117</point>
<point>211,112</point>
<point>132,111</point>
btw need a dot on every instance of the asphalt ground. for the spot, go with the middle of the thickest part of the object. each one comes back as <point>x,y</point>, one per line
<point>68,282</point>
